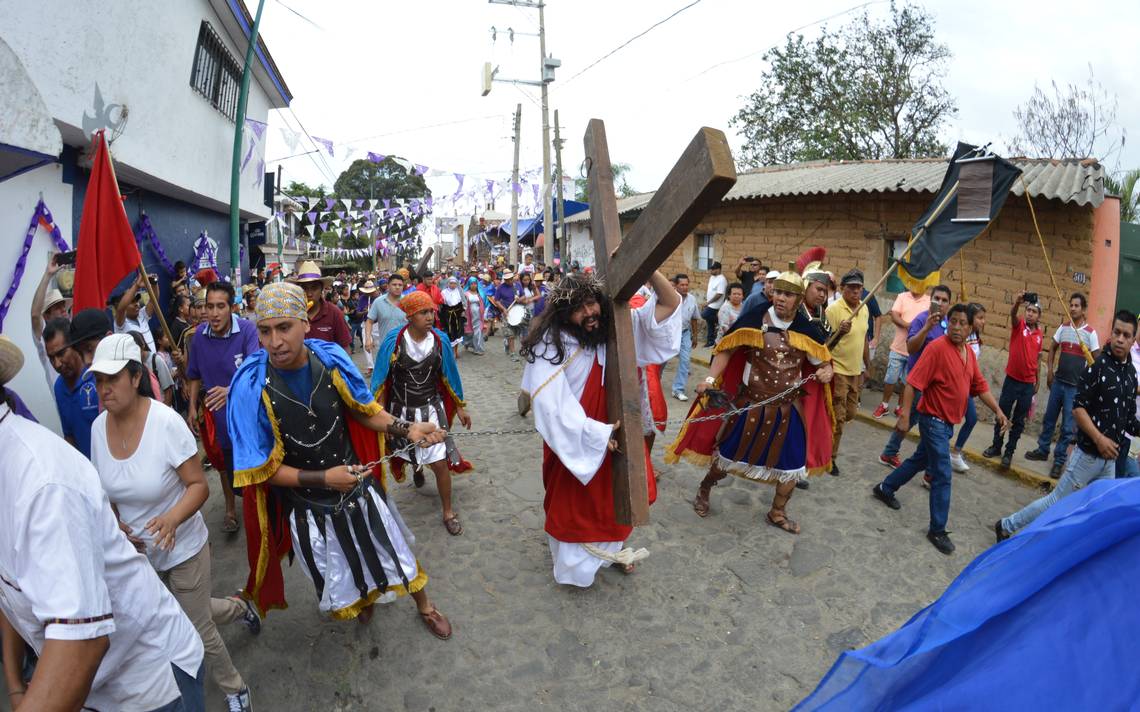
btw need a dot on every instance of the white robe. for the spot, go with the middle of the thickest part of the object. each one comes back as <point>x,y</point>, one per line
<point>578,441</point>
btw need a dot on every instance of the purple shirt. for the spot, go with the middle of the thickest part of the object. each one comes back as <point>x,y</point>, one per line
<point>916,326</point>
<point>506,294</point>
<point>214,360</point>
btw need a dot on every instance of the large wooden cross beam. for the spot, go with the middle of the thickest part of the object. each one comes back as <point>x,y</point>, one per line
<point>702,176</point>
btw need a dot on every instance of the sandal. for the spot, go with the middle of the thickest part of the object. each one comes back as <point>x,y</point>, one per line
<point>782,522</point>
<point>626,569</point>
<point>437,623</point>
<point>418,477</point>
<point>452,525</point>
<point>230,524</point>
<point>701,502</point>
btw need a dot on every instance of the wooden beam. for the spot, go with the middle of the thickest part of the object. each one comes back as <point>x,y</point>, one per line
<point>700,178</point>
<point>424,262</point>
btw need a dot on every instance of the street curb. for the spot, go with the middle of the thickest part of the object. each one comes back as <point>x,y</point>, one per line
<point>1015,472</point>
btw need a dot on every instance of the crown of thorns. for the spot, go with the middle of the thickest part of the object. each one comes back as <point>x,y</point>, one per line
<point>575,290</point>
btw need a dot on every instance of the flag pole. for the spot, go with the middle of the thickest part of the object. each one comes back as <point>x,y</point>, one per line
<point>906,253</point>
<point>150,290</point>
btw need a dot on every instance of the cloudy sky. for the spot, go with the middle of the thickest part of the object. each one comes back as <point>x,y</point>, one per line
<point>404,77</point>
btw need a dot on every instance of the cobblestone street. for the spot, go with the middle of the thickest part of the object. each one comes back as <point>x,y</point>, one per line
<point>727,613</point>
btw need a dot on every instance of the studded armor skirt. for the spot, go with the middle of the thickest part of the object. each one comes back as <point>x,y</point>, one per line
<point>767,444</point>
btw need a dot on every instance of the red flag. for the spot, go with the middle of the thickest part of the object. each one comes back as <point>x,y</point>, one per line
<point>107,251</point>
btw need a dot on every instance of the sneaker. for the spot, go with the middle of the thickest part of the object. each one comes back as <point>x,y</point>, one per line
<point>999,532</point>
<point>1056,470</point>
<point>926,480</point>
<point>898,410</point>
<point>680,396</point>
<point>249,618</point>
<point>991,451</point>
<point>1037,454</point>
<point>1006,460</point>
<point>880,411</point>
<point>888,499</point>
<point>239,701</point>
<point>891,461</point>
<point>802,484</point>
<point>941,541</point>
<point>958,463</point>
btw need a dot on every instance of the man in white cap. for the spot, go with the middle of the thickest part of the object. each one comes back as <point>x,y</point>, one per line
<point>107,632</point>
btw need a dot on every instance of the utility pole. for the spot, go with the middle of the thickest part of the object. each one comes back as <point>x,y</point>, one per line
<point>514,254</point>
<point>235,169</point>
<point>554,238</point>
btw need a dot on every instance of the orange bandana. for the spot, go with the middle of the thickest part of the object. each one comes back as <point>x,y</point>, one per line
<point>416,301</point>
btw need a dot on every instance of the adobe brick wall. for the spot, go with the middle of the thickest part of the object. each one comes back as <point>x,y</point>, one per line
<point>1004,260</point>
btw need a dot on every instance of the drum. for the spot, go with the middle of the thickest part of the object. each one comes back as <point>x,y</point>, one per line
<point>516,314</point>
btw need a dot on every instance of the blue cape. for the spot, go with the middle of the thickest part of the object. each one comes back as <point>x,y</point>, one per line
<point>257,446</point>
<point>1047,619</point>
<point>387,353</point>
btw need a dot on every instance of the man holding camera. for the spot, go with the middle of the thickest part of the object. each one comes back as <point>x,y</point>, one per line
<point>132,315</point>
<point>1021,368</point>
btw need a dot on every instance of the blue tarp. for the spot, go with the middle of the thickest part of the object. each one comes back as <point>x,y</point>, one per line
<point>533,226</point>
<point>1047,620</point>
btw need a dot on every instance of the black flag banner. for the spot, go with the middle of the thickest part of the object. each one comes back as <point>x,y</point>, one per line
<point>973,191</point>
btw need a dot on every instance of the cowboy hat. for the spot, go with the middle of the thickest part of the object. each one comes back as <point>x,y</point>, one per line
<point>11,359</point>
<point>55,297</point>
<point>508,275</point>
<point>368,287</point>
<point>309,272</point>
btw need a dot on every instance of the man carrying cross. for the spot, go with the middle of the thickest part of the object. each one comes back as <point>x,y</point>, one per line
<point>566,355</point>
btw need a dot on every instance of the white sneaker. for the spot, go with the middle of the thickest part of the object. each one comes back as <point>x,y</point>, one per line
<point>958,462</point>
<point>239,701</point>
<point>680,396</point>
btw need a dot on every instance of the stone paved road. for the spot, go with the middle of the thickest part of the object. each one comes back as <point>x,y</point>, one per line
<point>727,613</point>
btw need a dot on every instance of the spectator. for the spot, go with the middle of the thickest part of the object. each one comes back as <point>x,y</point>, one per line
<point>75,395</point>
<point>1105,411</point>
<point>849,357</point>
<point>976,313</point>
<point>714,298</point>
<point>730,310</point>
<point>131,315</point>
<point>147,460</point>
<point>907,306</point>
<point>1021,379</point>
<point>1071,339</point>
<point>688,335</point>
<point>326,321</point>
<point>746,271</point>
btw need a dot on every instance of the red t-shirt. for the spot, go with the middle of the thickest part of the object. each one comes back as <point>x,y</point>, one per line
<point>329,325</point>
<point>946,381</point>
<point>1024,348</point>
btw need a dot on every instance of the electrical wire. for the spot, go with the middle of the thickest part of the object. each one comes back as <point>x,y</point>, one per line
<point>300,15</point>
<point>630,40</point>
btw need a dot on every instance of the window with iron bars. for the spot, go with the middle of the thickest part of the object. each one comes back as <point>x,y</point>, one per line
<point>216,75</point>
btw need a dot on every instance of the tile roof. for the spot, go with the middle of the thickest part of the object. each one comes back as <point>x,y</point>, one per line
<point>1078,181</point>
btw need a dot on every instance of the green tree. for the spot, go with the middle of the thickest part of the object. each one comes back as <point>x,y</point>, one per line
<point>871,90</point>
<point>384,180</point>
<point>621,184</point>
<point>1129,197</point>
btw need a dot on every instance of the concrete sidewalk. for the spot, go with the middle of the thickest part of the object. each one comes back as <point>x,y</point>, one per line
<point>1032,473</point>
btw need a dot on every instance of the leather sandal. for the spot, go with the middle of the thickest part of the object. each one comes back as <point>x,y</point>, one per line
<point>701,502</point>
<point>418,477</point>
<point>780,521</point>
<point>230,524</point>
<point>437,623</point>
<point>452,525</point>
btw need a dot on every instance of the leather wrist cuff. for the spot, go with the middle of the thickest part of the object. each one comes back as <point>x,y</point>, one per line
<point>399,427</point>
<point>311,478</point>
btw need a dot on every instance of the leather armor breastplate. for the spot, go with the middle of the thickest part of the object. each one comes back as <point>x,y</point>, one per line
<point>774,368</point>
<point>414,383</point>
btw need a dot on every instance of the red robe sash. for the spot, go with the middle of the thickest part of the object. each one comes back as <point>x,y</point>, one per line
<point>585,513</point>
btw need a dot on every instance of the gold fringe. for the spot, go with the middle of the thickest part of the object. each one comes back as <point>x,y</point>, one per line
<point>694,458</point>
<point>671,455</point>
<point>263,554</point>
<point>808,345</point>
<point>918,286</point>
<point>414,586</point>
<point>261,473</point>
<point>369,409</point>
<point>740,337</point>
<point>458,401</point>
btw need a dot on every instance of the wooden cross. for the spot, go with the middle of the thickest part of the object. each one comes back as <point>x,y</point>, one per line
<point>698,181</point>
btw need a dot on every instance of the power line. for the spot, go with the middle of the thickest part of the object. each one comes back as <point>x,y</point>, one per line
<point>300,15</point>
<point>422,128</point>
<point>630,40</point>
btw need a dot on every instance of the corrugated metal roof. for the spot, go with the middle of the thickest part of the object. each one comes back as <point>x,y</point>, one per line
<point>1079,181</point>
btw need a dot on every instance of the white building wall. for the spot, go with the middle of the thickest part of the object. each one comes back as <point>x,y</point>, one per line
<point>140,53</point>
<point>18,198</point>
<point>581,247</point>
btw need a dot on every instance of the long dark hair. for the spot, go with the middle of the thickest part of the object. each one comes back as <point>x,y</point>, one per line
<point>573,292</point>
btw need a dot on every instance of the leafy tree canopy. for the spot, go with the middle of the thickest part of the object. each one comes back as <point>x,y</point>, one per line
<point>871,90</point>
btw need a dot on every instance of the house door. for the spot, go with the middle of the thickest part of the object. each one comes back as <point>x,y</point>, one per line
<point>1128,286</point>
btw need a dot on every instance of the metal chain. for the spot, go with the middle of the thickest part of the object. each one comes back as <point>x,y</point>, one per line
<point>682,421</point>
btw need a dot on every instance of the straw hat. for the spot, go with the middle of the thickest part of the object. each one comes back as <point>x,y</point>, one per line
<point>55,297</point>
<point>368,287</point>
<point>508,275</point>
<point>309,272</point>
<point>249,288</point>
<point>11,360</point>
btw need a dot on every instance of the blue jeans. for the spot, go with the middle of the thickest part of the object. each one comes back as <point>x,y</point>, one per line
<point>683,361</point>
<point>967,424</point>
<point>1014,401</point>
<point>1081,469</point>
<point>932,455</point>
<point>895,441</point>
<point>1126,467</point>
<point>1061,397</point>
<point>193,689</point>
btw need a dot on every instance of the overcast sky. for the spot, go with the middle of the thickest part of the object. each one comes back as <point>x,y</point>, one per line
<point>383,76</point>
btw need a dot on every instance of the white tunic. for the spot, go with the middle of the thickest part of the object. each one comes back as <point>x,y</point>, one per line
<point>578,441</point>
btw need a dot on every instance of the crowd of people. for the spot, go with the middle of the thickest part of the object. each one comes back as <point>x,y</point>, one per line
<point>261,379</point>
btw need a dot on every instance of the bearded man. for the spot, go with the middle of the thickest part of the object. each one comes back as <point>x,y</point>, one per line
<point>302,421</point>
<point>564,378</point>
<point>764,357</point>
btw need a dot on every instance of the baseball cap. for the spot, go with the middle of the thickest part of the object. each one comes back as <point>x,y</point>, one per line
<point>772,274</point>
<point>114,353</point>
<point>852,277</point>
<point>88,324</point>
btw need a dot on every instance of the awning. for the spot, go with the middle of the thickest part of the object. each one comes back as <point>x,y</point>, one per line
<point>28,134</point>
